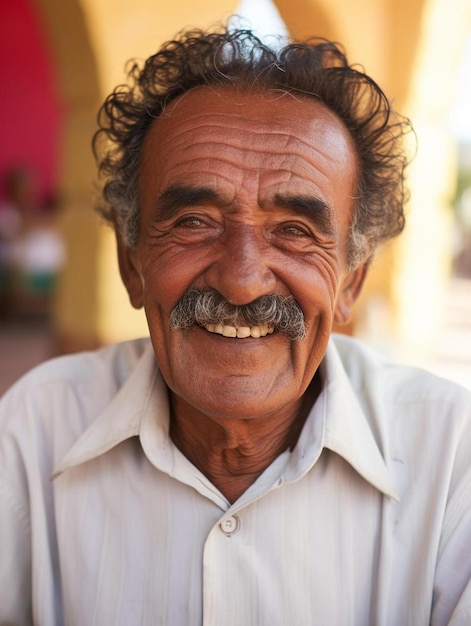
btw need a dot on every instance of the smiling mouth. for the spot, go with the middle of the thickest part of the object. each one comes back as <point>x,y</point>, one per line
<point>240,332</point>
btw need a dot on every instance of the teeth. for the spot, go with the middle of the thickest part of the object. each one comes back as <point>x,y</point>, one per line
<point>229,331</point>
<point>240,332</point>
<point>243,331</point>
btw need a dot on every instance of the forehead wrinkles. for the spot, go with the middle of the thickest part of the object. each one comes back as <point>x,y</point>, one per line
<point>301,134</point>
<point>240,143</point>
<point>230,143</point>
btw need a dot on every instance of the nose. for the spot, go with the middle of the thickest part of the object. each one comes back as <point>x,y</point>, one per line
<point>241,270</point>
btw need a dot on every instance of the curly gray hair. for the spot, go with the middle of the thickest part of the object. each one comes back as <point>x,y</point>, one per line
<point>317,69</point>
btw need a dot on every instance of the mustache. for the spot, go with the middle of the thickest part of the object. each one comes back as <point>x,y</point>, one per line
<point>208,306</point>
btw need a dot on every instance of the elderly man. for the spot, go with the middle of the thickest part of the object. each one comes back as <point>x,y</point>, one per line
<point>242,467</point>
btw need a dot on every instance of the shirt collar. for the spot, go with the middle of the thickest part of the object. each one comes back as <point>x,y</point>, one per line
<point>143,391</point>
<point>336,422</point>
<point>347,430</point>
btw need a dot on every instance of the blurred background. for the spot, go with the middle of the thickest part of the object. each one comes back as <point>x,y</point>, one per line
<point>60,289</point>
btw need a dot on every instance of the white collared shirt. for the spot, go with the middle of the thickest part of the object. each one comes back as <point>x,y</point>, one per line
<point>366,522</point>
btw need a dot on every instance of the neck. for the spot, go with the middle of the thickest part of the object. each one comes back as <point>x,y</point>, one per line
<point>233,452</point>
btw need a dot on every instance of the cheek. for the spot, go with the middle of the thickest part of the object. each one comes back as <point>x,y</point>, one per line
<point>168,273</point>
<point>316,284</point>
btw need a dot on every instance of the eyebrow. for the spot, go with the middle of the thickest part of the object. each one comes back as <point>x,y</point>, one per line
<point>316,210</point>
<point>177,196</point>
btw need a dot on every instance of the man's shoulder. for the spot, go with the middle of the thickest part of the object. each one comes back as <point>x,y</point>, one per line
<point>371,373</point>
<point>84,381</point>
<point>413,414</point>
<point>113,361</point>
<point>47,410</point>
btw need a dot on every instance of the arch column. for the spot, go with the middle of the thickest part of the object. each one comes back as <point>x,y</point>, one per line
<point>91,42</point>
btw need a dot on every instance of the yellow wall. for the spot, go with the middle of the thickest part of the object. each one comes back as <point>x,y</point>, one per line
<point>76,307</point>
<point>423,253</point>
<point>124,29</point>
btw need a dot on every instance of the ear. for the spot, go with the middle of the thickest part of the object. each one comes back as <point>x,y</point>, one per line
<point>349,292</point>
<point>129,268</point>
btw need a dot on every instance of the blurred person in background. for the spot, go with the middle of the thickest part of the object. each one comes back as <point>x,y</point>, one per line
<point>18,204</point>
<point>37,256</point>
<point>32,251</point>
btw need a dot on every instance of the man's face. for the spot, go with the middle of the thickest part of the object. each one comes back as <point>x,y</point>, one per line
<point>247,194</point>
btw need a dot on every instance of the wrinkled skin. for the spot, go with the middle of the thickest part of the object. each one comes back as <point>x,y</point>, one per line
<point>249,194</point>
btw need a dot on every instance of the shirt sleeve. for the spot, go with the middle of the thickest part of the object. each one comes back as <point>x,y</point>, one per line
<point>452,593</point>
<point>15,551</point>
<point>25,502</point>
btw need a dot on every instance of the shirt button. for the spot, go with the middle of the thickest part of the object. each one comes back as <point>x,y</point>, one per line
<point>230,525</point>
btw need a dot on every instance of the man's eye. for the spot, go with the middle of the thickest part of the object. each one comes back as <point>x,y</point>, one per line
<point>191,221</point>
<point>295,230</point>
